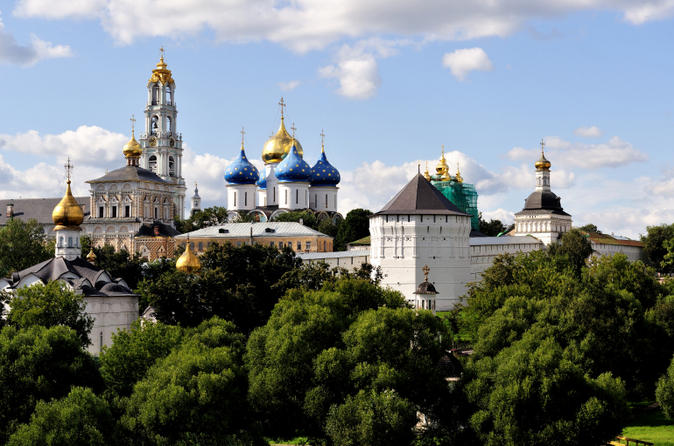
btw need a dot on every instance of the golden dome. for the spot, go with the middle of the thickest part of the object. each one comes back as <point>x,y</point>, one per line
<point>188,262</point>
<point>161,73</point>
<point>542,163</point>
<point>426,174</point>
<point>68,213</point>
<point>279,145</point>
<point>442,169</point>
<point>458,178</point>
<point>91,257</point>
<point>132,149</point>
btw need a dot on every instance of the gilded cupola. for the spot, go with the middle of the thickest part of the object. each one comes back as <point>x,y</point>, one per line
<point>278,146</point>
<point>188,262</point>
<point>542,163</point>
<point>458,178</point>
<point>161,74</point>
<point>442,169</point>
<point>132,149</point>
<point>68,213</point>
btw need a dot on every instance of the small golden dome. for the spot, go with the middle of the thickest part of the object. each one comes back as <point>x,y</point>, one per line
<point>68,213</point>
<point>442,169</point>
<point>279,145</point>
<point>161,73</point>
<point>188,262</point>
<point>458,178</point>
<point>91,257</point>
<point>426,174</point>
<point>132,149</point>
<point>542,163</point>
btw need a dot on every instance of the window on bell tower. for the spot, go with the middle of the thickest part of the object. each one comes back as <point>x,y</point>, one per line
<point>154,126</point>
<point>169,96</point>
<point>172,167</point>
<point>169,124</point>
<point>153,163</point>
<point>155,95</point>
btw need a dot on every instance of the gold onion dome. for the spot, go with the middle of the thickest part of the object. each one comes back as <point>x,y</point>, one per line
<point>68,213</point>
<point>542,163</point>
<point>458,177</point>
<point>442,169</point>
<point>132,149</point>
<point>278,146</point>
<point>161,73</point>
<point>91,257</point>
<point>188,262</point>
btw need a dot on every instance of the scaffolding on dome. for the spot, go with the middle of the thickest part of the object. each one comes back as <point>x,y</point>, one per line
<point>464,196</point>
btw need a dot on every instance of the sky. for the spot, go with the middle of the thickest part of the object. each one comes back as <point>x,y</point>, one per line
<point>389,81</point>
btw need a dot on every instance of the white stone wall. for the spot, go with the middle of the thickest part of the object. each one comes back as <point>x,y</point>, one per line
<point>483,255</point>
<point>241,197</point>
<point>633,253</point>
<point>293,196</point>
<point>402,244</point>
<point>110,315</point>
<point>323,198</point>
<point>545,227</point>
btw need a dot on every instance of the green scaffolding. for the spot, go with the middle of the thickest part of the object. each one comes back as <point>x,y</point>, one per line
<point>464,196</point>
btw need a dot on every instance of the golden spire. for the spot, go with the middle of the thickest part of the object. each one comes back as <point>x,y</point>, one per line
<point>68,213</point>
<point>426,174</point>
<point>542,163</point>
<point>91,257</point>
<point>132,149</point>
<point>322,141</point>
<point>458,176</point>
<point>188,262</point>
<point>161,74</point>
<point>442,169</point>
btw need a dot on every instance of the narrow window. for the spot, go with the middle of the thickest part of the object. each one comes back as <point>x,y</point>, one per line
<point>154,126</point>
<point>286,196</point>
<point>114,212</point>
<point>326,200</point>
<point>297,196</point>
<point>153,163</point>
<point>234,204</point>
<point>307,246</point>
<point>245,198</point>
<point>156,213</point>
<point>127,211</point>
<point>274,193</point>
<point>100,341</point>
<point>172,167</point>
<point>299,246</point>
<point>101,211</point>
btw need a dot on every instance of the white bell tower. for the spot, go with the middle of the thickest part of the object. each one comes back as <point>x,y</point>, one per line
<point>162,144</point>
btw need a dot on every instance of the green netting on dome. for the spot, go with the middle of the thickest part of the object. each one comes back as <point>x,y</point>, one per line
<point>464,196</point>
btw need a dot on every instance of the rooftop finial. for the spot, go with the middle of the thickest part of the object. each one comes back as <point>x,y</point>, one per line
<point>243,136</point>
<point>419,168</point>
<point>542,146</point>
<point>322,141</point>
<point>443,151</point>
<point>293,128</point>
<point>161,51</point>
<point>426,270</point>
<point>133,125</point>
<point>283,106</point>
<point>69,168</point>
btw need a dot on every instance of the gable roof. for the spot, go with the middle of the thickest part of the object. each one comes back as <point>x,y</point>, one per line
<point>39,209</point>
<point>418,197</point>
<point>129,173</point>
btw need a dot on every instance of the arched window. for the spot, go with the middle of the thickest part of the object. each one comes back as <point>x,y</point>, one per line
<point>155,95</point>
<point>153,163</point>
<point>154,126</point>
<point>169,95</point>
<point>169,124</point>
<point>172,167</point>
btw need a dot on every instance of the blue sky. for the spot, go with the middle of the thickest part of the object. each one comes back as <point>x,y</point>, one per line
<point>389,81</point>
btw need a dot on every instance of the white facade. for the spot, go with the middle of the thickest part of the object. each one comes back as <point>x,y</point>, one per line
<point>293,196</point>
<point>241,197</point>
<point>68,243</point>
<point>402,244</point>
<point>546,227</point>
<point>110,315</point>
<point>323,198</point>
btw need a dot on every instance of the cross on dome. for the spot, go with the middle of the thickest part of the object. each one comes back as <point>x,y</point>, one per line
<point>243,135</point>
<point>133,124</point>
<point>322,141</point>
<point>69,168</point>
<point>426,270</point>
<point>283,106</point>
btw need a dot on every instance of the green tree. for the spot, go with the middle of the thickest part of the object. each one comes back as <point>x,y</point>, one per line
<point>575,247</point>
<point>120,264</point>
<point>22,244</point>
<point>49,306</point>
<point>372,418</point>
<point>212,216</point>
<point>530,393</point>
<point>196,394</point>
<point>655,249</point>
<point>664,392</point>
<point>492,228</point>
<point>81,418</point>
<point>308,218</point>
<point>328,227</point>
<point>38,363</point>
<point>133,352</point>
<point>355,226</point>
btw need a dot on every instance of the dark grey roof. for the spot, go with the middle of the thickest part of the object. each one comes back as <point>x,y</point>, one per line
<point>163,230</point>
<point>129,173</point>
<point>89,280</point>
<point>419,196</point>
<point>543,202</point>
<point>426,288</point>
<point>39,209</point>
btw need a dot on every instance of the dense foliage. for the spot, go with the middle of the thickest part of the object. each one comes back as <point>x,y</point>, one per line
<point>664,392</point>
<point>493,227</point>
<point>212,216</point>
<point>355,226</point>
<point>22,244</point>
<point>658,243</point>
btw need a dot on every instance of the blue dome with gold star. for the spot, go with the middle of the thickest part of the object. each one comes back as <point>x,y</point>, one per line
<point>293,168</point>
<point>262,182</point>
<point>323,173</point>
<point>241,171</point>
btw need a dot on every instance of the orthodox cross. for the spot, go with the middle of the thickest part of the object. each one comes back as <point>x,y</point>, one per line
<point>243,134</point>
<point>293,128</point>
<point>542,145</point>
<point>161,50</point>
<point>283,105</point>
<point>133,123</point>
<point>443,150</point>
<point>426,270</point>
<point>69,168</point>
<point>322,141</point>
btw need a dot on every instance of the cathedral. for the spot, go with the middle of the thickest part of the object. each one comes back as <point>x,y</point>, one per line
<point>288,182</point>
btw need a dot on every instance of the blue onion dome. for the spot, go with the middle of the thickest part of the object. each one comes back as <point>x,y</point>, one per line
<point>293,167</point>
<point>241,171</point>
<point>323,173</point>
<point>262,182</point>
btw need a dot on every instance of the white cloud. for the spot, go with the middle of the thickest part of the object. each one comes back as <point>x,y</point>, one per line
<point>14,53</point>
<point>588,132</point>
<point>461,62</point>
<point>613,153</point>
<point>310,24</point>
<point>288,86</point>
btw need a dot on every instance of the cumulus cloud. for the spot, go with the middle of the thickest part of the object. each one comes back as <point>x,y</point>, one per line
<point>15,53</point>
<point>288,86</point>
<point>613,153</point>
<point>588,132</point>
<point>461,62</point>
<point>310,24</point>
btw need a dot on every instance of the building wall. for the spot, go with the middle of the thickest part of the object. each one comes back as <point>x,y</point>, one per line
<point>316,243</point>
<point>351,261</point>
<point>633,253</point>
<point>403,244</point>
<point>545,227</point>
<point>323,198</point>
<point>110,314</point>
<point>482,256</point>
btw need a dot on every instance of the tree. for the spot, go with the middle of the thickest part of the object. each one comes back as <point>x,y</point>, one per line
<point>575,247</point>
<point>664,392</point>
<point>355,226</point>
<point>372,418</point>
<point>655,249</point>
<point>212,216</point>
<point>590,228</point>
<point>492,228</point>
<point>81,418</point>
<point>38,363</point>
<point>120,264</point>
<point>22,244</point>
<point>196,394</point>
<point>133,352</point>
<point>50,305</point>
<point>308,218</point>
<point>530,393</point>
